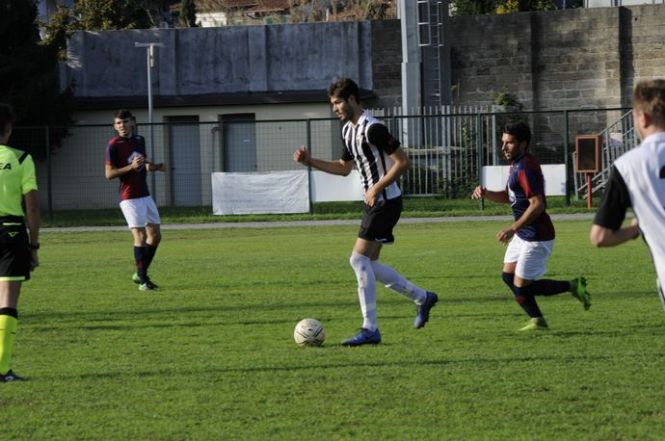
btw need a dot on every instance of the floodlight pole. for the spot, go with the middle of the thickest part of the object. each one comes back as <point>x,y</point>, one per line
<point>150,62</point>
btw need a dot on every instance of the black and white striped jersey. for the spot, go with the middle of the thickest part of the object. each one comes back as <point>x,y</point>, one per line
<point>369,144</point>
<point>637,180</point>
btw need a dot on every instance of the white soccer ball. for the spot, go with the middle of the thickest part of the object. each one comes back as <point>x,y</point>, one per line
<point>309,332</point>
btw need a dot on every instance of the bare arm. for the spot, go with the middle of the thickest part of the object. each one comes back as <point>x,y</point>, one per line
<point>339,167</point>
<point>535,209</point>
<point>606,237</point>
<point>31,199</point>
<point>500,197</point>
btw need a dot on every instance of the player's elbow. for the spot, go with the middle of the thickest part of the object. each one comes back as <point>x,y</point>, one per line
<point>346,169</point>
<point>599,236</point>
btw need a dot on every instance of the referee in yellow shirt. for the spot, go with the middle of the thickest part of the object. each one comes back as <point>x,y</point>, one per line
<point>18,245</point>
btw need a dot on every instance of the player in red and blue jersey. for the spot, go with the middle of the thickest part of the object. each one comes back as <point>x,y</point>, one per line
<point>530,238</point>
<point>126,160</point>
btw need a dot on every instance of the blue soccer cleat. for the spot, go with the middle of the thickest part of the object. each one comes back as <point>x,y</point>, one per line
<point>364,337</point>
<point>422,316</point>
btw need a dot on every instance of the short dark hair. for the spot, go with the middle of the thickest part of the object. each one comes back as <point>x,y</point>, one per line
<point>124,114</point>
<point>7,116</point>
<point>649,97</point>
<point>344,88</point>
<point>520,130</point>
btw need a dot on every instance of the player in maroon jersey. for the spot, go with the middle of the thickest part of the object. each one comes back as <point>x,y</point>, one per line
<point>530,238</point>
<point>126,160</point>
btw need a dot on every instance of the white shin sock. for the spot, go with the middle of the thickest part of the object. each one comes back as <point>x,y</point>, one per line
<point>362,266</point>
<point>395,281</point>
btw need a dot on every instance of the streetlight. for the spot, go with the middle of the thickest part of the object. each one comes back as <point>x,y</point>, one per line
<point>150,62</point>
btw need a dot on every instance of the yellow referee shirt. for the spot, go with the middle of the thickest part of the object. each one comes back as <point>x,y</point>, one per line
<point>17,177</point>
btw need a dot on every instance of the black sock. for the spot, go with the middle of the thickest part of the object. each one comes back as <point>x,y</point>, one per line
<point>150,251</point>
<point>527,302</point>
<point>139,259</point>
<point>508,279</point>
<point>546,287</point>
<point>12,312</point>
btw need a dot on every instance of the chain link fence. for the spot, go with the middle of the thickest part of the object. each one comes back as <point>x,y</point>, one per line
<point>447,150</point>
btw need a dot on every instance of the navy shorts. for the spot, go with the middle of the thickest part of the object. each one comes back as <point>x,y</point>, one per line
<point>15,254</point>
<point>378,221</point>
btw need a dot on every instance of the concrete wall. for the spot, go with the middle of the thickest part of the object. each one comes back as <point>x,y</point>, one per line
<point>570,59</point>
<point>228,60</point>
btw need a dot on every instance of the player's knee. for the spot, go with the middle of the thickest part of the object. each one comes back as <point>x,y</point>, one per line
<point>523,291</point>
<point>154,238</point>
<point>508,279</point>
<point>358,260</point>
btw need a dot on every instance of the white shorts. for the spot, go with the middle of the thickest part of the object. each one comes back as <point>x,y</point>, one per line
<point>140,212</point>
<point>531,257</point>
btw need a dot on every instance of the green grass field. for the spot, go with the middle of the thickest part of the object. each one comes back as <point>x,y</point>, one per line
<point>211,356</point>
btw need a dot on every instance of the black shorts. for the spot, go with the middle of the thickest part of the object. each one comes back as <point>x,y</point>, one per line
<point>378,221</point>
<point>15,254</point>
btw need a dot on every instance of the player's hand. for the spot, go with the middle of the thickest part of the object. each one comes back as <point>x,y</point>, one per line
<point>302,155</point>
<point>478,192</point>
<point>138,162</point>
<point>155,167</point>
<point>370,197</point>
<point>505,235</point>
<point>34,260</point>
<point>635,224</point>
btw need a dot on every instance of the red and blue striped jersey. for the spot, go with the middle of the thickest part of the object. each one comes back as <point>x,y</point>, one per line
<point>524,181</point>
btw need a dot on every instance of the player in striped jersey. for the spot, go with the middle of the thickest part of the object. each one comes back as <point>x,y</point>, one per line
<point>530,238</point>
<point>380,161</point>
<point>637,180</point>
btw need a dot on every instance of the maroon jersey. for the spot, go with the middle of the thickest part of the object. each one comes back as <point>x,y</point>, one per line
<point>119,153</point>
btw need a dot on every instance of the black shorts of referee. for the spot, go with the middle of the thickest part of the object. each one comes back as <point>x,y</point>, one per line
<point>15,253</point>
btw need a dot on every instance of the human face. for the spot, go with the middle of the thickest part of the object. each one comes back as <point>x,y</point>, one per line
<point>124,127</point>
<point>511,148</point>
<point>344,109</point>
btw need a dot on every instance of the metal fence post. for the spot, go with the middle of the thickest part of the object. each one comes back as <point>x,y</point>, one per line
<point>309,167</point>
<point>565,157</point>
<point>479,153</point>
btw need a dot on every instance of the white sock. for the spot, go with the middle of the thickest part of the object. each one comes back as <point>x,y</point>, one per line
<point>395,281</point>
<point>362,266</point>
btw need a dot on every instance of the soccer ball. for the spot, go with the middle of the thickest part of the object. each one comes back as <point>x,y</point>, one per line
<point>309,332</point>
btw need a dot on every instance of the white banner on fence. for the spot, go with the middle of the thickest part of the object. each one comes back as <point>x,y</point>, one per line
<point>328,188</point>
<point>495,178</point>
<point>258,192</point>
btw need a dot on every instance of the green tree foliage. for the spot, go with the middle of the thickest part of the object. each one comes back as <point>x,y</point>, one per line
<point>28,71</point>
<point>187,17</point>
<point>106,15</point>
<point>480,7</point>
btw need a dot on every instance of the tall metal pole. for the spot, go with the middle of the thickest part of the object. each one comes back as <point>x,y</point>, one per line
<point>150,62</point>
